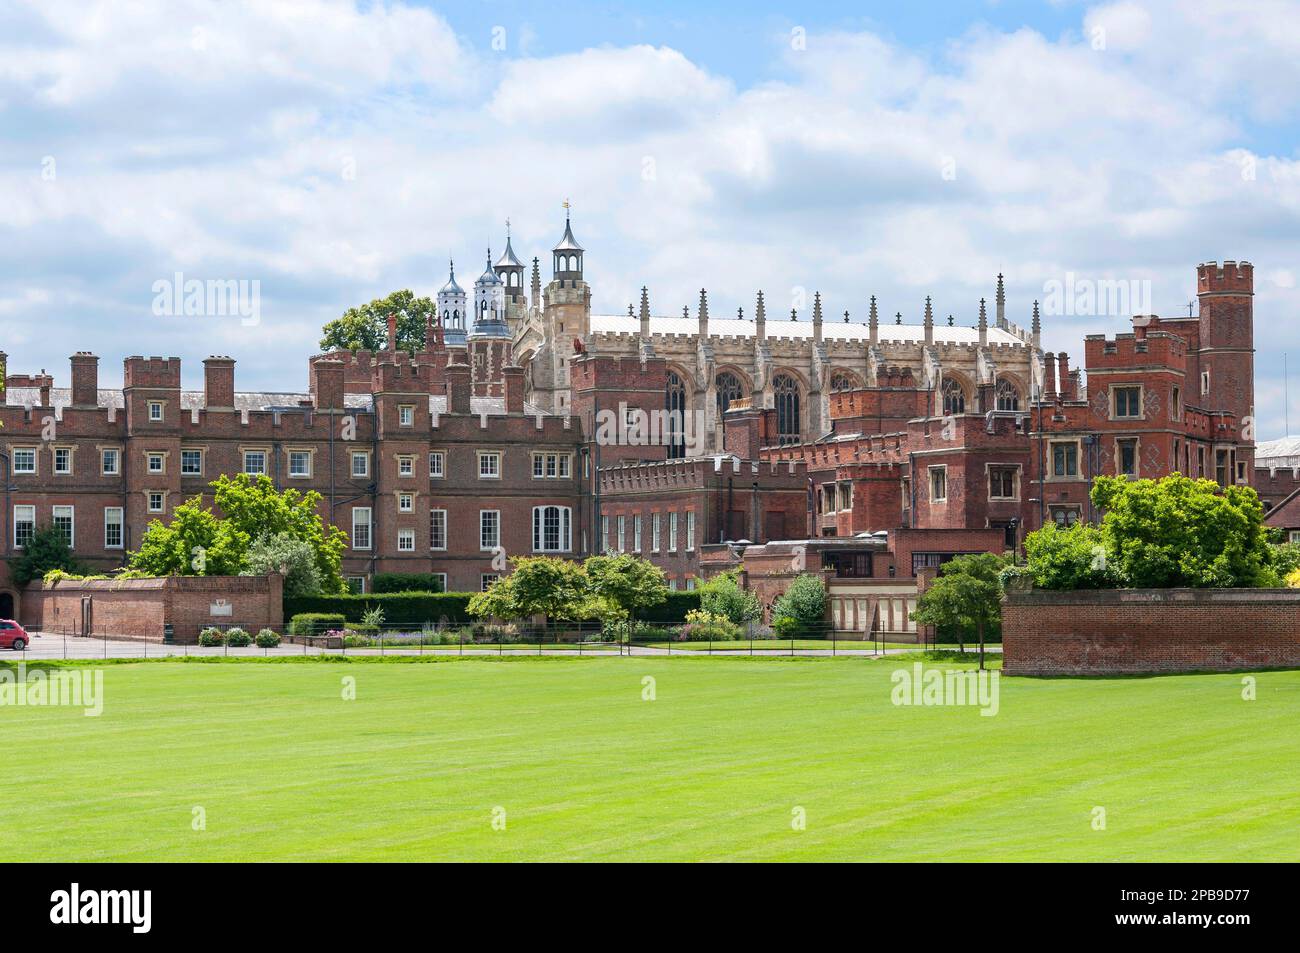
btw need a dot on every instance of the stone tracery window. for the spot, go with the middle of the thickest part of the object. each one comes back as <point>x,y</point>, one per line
<point>728,389</point>
<point>675,406</point>
<point>786,391</point>
<point>954,398</point>
<point>1008,398</point>
<point>843,380</point>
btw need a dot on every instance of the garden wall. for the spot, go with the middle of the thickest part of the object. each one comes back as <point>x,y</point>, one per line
<point>139,608</point>
<point>1113,631</point>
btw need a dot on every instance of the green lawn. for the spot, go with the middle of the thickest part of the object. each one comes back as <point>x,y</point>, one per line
<point>414,767</point>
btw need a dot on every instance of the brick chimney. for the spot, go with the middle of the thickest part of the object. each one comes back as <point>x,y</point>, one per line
<point>1063,374</point>
<point>327,383</point>
<point>1049,374</point>
<point>392,332</point>
<point>85,379</point>
<point>514,388</point>
<point>46,382</point>
<point>219,382</point>
<point>458,388</point>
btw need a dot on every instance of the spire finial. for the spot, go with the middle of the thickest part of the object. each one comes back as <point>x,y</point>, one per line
<point>846,317</point>
<point>794,315</point>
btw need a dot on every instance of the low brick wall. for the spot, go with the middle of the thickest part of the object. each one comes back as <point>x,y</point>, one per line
<point>1111,631</point>
<point>139,608</point>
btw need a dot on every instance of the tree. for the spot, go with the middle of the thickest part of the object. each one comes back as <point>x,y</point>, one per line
<point>537,585</point>
<point>966,597</point>
<point>366,327</point>
<point>1069,558</point>
<point>801,610</point>
<point>253,506</point>
<point>624,585</point>
<point>46,550</point>
<point>280,552</point>
<point>1177,531</point>
<point>722,596</point>
<point>194,543</point>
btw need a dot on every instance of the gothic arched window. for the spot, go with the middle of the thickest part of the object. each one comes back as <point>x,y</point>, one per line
<point>843,380</point>
<point>675,407</point>
<point>1008,396</point>
<point>728,387</point>
<point>954,398</point>
<point>786,391</point>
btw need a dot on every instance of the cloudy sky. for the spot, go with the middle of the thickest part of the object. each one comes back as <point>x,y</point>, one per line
<point>334,151</point>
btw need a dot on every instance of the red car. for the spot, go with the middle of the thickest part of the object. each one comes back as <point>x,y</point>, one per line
<point>13,636</point>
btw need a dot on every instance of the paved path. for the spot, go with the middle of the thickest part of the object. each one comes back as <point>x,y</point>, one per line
<point>45,646</point>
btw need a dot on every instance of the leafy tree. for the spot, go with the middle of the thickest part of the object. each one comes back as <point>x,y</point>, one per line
<point>47,550</point>
<point>253,506</point>
<point>1069,558</point>
<point>801,610</point>
<point>537,585</point>
<point>1177,531</point>
<point>366,327</point>
<point>624,585</point>
<point>280,552</point>
<point>965,599</point>
<point>722,596</point>
<point>194,543</point>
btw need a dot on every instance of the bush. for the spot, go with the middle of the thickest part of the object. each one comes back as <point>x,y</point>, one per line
<point>400,608</point>
<point>721,596</point>
<point>426,582</point>
<point>704,626</point>
<point>1072,558</point>
<point>672,611</point>
<point>309,623</point>
<point>266,639</point>
<point>274,552</point>
<point>237,638</point>
<point>212,637</point>
<point>801,611</point>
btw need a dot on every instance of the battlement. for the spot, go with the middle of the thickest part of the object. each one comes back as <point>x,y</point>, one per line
<point>1144,347</point>
<point>160,372</point>
<point>1232,277</point>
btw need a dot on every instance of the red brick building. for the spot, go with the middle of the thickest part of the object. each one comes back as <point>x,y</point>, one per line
<point>435,462</point>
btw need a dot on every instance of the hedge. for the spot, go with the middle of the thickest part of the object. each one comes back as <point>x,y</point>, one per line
<point>672,611</point>
<point>400,608</point>
<point>407,582</point>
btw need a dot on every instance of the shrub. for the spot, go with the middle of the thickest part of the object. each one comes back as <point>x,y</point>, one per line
<point>46,550</point>
<point>212,637</point>
<point>273,552</point>
<point>704,626</point>
<point>801,611</point>
<point>424,582</point>
<point>237,638</point>
<point>266,639</point>
<point>355,640</point>
<point>721,596</point>
<point>309,623</point>
<point>1071,558</point>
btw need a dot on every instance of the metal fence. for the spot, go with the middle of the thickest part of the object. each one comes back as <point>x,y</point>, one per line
<point>642,638</point>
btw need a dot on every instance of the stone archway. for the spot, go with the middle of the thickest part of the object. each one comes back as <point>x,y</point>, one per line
<point>8,604</point>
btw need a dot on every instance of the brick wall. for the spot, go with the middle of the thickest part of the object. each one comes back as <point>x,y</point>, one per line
<point>1149,630</point>
<point>138,608</point>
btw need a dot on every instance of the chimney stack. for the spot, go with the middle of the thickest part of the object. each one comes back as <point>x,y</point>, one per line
<point>392,332</point>
<point>1063,374</point>
<point>458,388</point>
<point>327,383</point>
<point>514,388</point>
<point>1049,375</point>
<point>219,382</point>
<point>85,379</point>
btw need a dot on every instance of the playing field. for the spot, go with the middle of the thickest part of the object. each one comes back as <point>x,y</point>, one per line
<point>572,764</point>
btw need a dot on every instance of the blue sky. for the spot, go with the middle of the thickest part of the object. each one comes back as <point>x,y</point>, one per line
<point>333,151</point>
